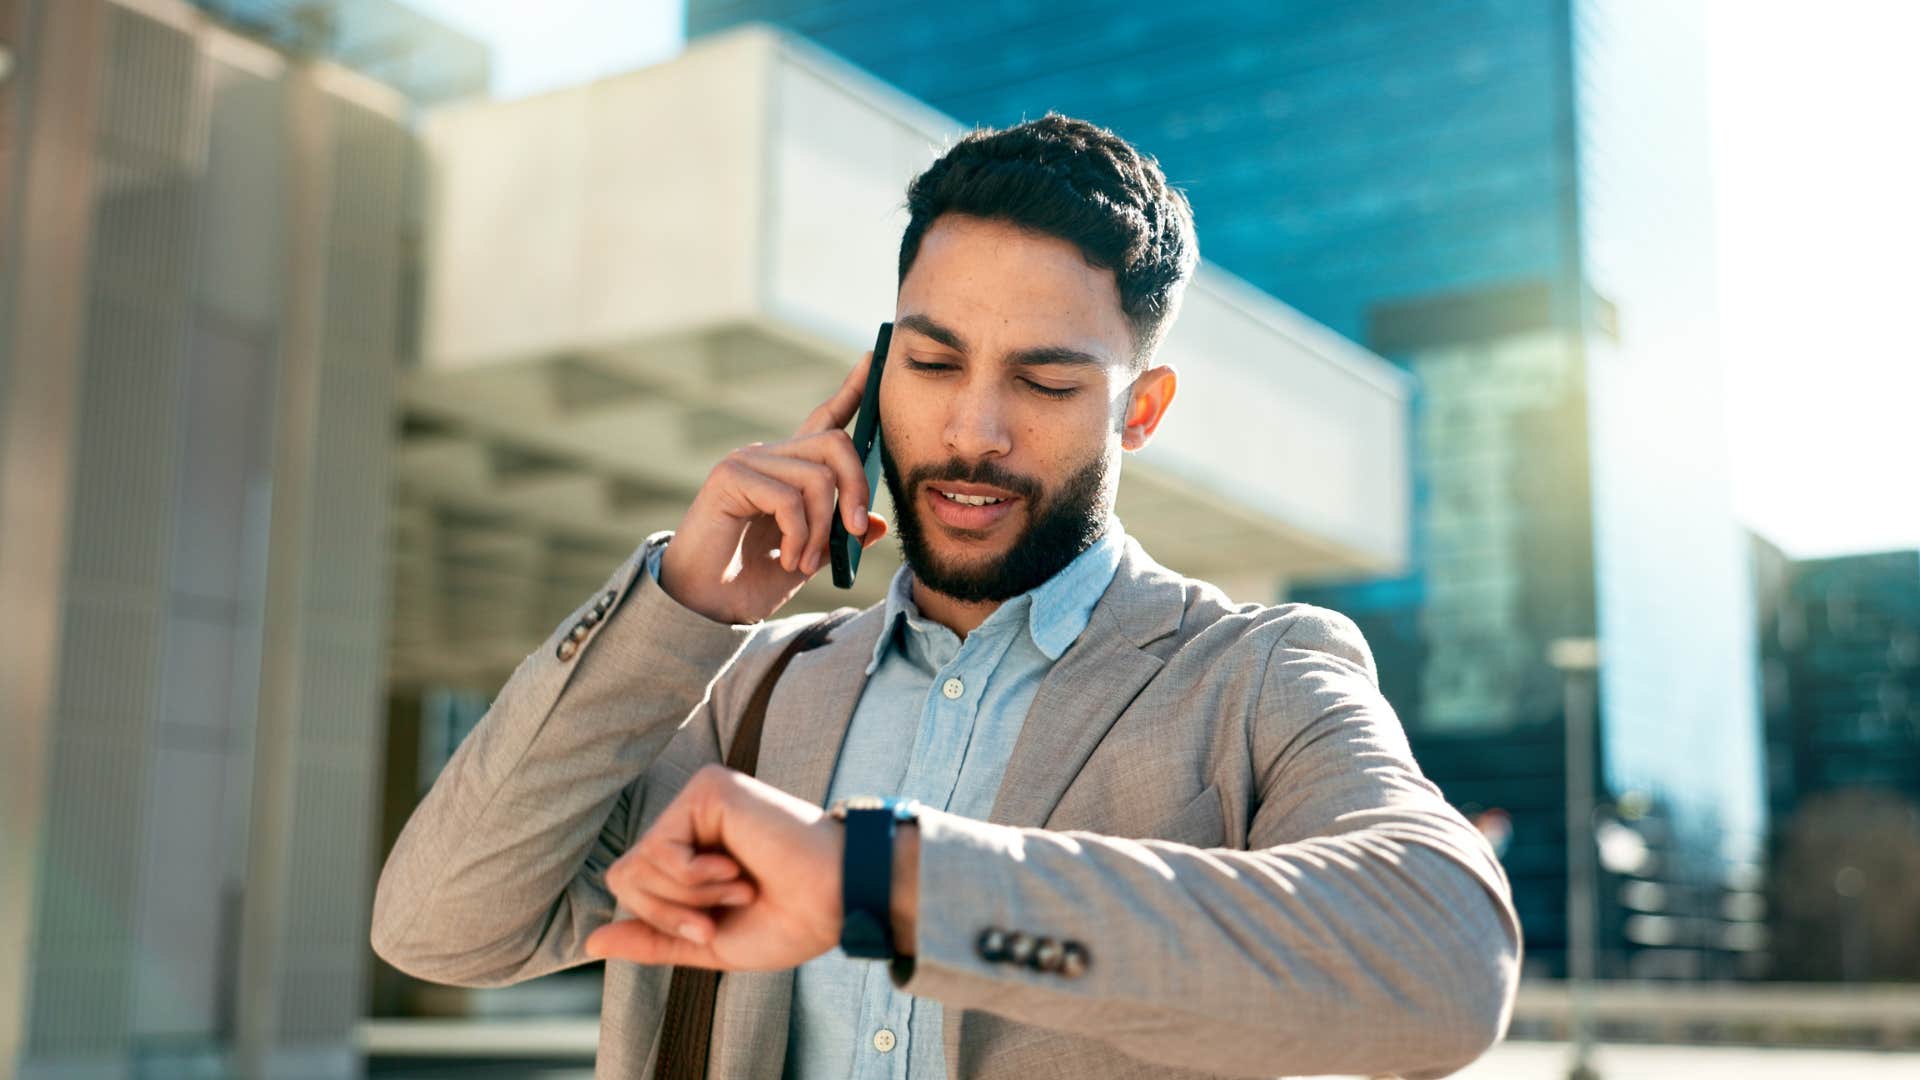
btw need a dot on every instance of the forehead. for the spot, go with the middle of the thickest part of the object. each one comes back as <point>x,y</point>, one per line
<point>1003,288</point>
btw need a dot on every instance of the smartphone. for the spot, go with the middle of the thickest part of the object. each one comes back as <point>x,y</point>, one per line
<point>844,548</point>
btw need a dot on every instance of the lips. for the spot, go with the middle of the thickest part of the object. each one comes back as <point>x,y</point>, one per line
<point>962,515</point>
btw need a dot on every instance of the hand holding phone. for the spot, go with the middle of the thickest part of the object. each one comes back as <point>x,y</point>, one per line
<point>763,522</point>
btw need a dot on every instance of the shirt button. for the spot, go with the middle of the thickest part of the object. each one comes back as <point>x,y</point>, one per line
<point>953,689</point>
<point>883,1040</point>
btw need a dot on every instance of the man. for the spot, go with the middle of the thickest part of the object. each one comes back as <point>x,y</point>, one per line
<point>1156,833</point>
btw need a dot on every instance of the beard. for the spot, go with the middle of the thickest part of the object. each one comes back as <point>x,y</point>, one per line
<point>1058,528</point>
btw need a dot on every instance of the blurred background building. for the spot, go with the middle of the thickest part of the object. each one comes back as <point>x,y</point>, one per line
<point>204,265</point>
<point>1840,655</point>
<point>1511,200</point>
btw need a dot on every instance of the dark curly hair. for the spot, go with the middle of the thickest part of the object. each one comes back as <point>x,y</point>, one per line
<point>1079,182</point>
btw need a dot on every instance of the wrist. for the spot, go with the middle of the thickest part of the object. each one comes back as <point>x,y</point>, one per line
<point>671,583</point>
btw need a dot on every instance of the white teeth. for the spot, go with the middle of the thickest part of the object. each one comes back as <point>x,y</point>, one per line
<point>972,500</point>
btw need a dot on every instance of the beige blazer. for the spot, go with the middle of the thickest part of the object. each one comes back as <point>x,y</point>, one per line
<point>1296,898</point>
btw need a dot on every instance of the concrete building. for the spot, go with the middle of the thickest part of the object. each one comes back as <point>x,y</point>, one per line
<point>201,270</point>
<point>1509,199</point>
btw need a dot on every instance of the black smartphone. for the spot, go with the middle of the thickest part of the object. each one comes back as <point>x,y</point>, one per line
<point>844,548</point>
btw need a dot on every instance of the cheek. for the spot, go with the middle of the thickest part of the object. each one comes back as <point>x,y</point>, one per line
<point>906,423</point>
<point>1060,440</point>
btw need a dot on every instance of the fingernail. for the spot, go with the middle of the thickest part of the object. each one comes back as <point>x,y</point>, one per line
<point>693,932</point>
<point>860,518</point>
<point>735,898</point>
<point>813,562</point>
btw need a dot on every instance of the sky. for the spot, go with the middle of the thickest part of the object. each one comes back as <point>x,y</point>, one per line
<point>1818,213</point>
<point>1818,193</point>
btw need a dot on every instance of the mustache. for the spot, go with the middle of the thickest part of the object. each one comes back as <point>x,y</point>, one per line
<point>979,472</point>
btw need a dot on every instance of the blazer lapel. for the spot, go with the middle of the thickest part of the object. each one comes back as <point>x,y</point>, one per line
<point>1082,695</point>
<point>807,721</point>
<point>1089,687</point>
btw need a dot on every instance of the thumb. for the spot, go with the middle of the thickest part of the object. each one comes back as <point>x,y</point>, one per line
<point>635,941</point>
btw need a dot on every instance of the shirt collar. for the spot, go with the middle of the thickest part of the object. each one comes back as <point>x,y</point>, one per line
<point>1057,610</point>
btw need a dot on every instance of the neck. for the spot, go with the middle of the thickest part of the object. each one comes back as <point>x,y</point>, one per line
<point>959,616</point>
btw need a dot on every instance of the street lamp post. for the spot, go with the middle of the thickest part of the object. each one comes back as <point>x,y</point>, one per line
<point>1578,660</point>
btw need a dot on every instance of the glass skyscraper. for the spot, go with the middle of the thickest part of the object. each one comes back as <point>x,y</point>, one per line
<point>1509,198</point>
<point>1840,656</point>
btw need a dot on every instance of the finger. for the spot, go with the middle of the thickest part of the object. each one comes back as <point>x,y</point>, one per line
<point>712,866</point>
<point>834,449</point>
<point>676,920</point>
<point>838,410</point>
<point>763,495</point>
<point>731,892</point>
<point>667,850</point>
<point>641,943</point>
<point>816,482</point>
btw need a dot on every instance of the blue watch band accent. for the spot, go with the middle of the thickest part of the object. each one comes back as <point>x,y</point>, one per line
<point>866,890</point>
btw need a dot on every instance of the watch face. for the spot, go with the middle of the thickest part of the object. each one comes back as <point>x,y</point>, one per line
<point>902,809</point>
<point>856,802</point>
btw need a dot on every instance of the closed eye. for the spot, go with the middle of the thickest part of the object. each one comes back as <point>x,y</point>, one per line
<point>1055,392</point>
<point>1052,391</point>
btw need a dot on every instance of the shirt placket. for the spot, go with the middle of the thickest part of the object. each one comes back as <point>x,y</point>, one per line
<point>948,719</point>
<point>959,676</point>
<point>886,1018</point>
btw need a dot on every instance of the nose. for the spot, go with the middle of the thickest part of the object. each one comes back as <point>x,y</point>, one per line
<point>976,427</point>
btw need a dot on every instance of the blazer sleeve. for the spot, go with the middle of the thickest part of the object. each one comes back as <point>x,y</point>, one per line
<point>1368,929</point>
<point>499,874</point>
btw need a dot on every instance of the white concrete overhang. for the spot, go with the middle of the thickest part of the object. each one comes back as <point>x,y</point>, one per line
<point>629,278</point>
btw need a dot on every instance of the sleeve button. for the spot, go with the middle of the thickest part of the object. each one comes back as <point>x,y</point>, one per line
<point>605,601</point>
<point>1073,960</point>
<point>580,631</point>
<point>1019,947</point>
<point>1046,955</point>
<point>567,648</point>
<point>993,944</point>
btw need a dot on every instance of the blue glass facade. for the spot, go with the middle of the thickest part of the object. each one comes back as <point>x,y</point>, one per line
<point>1840,649</point>
<point>1336,155</point>
<point>1477,190</point>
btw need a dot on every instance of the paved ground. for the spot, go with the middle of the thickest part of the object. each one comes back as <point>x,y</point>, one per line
<point>1510,1061</point>
<point>1548,1061</point>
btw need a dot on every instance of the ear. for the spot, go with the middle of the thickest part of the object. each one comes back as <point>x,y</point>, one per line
<point>1147,402</point>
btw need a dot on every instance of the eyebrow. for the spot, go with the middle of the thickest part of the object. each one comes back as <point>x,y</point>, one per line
<point>926,326</point>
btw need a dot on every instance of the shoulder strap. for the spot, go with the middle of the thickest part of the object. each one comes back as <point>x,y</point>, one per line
<point>744,754</point>
<point>687,1028</point>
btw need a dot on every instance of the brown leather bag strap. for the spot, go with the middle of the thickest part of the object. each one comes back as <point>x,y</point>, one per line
<point>687,1029</point>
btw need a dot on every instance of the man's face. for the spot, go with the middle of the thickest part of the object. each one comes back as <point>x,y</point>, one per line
<point>1007,378</point>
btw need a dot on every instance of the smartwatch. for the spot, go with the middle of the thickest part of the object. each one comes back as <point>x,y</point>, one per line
<point>866,872</point>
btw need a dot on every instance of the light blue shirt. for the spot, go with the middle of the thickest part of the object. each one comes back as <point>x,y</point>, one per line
<point>936,722</point>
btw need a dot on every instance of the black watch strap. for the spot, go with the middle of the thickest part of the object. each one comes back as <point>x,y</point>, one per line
<point>867,885</point>
<point>866,874</point>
